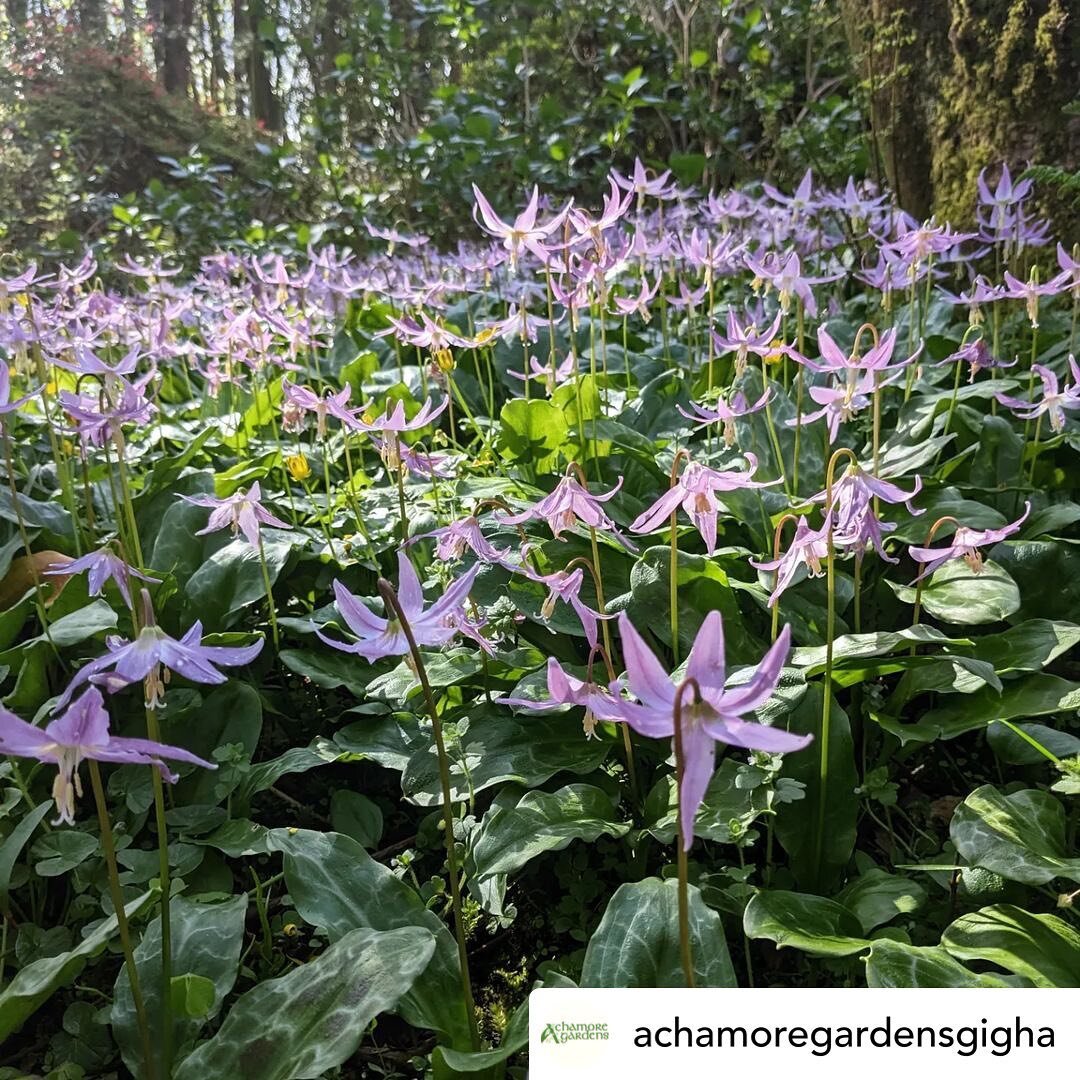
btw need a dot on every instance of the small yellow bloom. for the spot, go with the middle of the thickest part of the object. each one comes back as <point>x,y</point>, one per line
<point>51,387</point>
<point>298,466</point>
<point>444,359</point>
<point>485,335</point>
<point>68,447</point>
<point>776,353</point>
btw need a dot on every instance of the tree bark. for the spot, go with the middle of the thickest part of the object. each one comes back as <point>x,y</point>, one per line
<point>954,86</point>
<point>177,16</point>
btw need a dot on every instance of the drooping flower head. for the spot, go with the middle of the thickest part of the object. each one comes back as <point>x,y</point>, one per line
<point>100,566</point>
<point>242,511</point>
<point>717,716</point>
<point>965,544</point>
<point>378,636</point>
<point>80,734</point>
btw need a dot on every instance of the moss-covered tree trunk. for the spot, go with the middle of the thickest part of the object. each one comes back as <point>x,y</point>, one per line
<point>955,85</point>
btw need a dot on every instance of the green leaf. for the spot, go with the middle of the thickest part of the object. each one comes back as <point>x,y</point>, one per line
<point>894,964</point>
<point>62,850</point>
<point>815,924</point>
<point>231,579</point>
<point>76,627</point>
<point>191,996</point>
<point>955,594</point>
<point>1028,647</point>
<point>1014,750</point>
<point>1035,695</point>
<point>877,897</point>
<point>336,885</point>
<point>510,837</point>
<point>637,941</point>
<point>532,432</point>
<point>514,1038</point>
<point>329,670</point>
<point>1019,836</point>
<point>39,980</point>
<point>1042,948</point>
<point>312,1020</point>
<point>357,816</point>
<point>818,832</point>
<point>724,803</point>
<point>12,847</point>
<point>206,944</point>
<point>493,748</point>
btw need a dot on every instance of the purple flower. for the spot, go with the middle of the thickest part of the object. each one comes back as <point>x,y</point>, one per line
<point>102,565</point>
<point>79,734</point>
<point>965,545</point>
<point>566,689</point>
<point>725,413</point>
<point>788,280</point>
<point>641,185</point>
<point>838,362</point>
<point>976,353</point>
<point>639,304</point>
<point>453,539</point>
<point>1054,401</point>
<point>745,339</point>
<point>299,400</point>
<point>143,659</point>
<point>1030,291</point>
<point>242,511</point>
<point>394,420</point>
<point>695,490</point>
<point>568,505</point>
<point>567,588</point>
<point>543,372</point>
<point>524,232</point>
<point>807,549</point>
<point>717,717</point>
<point>379,637</point>
<point>97,419</point>
<point>855,523</point>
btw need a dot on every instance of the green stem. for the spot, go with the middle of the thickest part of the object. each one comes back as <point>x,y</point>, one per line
<point>393,606</point>
<point>108,849</point>
<point>269,593</point>
<point>683,841</point>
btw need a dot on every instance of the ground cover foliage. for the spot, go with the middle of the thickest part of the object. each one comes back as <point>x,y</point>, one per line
<point>659,588</point>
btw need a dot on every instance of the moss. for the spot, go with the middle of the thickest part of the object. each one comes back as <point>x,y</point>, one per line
<point>1011,67</point>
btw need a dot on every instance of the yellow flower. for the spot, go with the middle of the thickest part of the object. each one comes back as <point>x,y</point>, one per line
<point>776,353</point>
<point>485,335</point>
<point>298,466</point>
<point>51,387</point>
<point>444,359</point>
<point>67,446</point>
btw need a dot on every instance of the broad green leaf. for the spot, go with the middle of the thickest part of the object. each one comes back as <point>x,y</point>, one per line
<point>1021,699</point>
<point>232,578</point>
<point>894,964</point>
<point>637,941</point>
<point>206,943</point>
<point>1019,836</point>
<point>876,897</point>
<point>514,1038</point>
<point>814,924</point>
<point>357,816</point>
<point>493,747</point>
<point>95,618</point>
<point>1011,748</point>
<point>191,996</point>
<point>62,850</point>
<point>329,669</point>
<point>299,759</point>
<point>335,884</point>
<point>532,432</point>
<point>312,1019</point>
<point>956,594</point>
<point>12,847</point>
<point>818,832</point>
<point>510,837</point>
<point>39,980</point>
<point>1028,647</point>
<point>1042,948</point>
<point>724,802</point>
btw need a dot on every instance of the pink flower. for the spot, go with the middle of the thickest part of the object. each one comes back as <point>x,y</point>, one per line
<point>242,511</point>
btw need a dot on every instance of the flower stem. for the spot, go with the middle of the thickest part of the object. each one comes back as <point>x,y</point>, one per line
<point>830,633</point>
<point>269,592</point>
<point>393,605</point>
<point>109,850</point>
<point>153,732</point>
<point>685,952</point>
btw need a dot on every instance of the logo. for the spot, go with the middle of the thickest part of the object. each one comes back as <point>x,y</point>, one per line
<point>563,1032</point>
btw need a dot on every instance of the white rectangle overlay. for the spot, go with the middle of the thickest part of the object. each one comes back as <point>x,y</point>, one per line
<point>811,1032</point>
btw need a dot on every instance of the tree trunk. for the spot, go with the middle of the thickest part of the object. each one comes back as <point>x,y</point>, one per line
<point>265,108</point>
<point>954,86</point>
<point>177,16</point>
